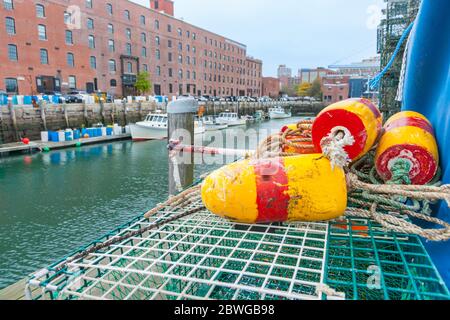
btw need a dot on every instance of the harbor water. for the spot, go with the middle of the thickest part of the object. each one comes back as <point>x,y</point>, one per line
<point>53,203</point>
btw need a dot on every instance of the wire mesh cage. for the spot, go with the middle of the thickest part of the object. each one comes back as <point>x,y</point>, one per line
<point>368,263</point>
<point>202,256</point>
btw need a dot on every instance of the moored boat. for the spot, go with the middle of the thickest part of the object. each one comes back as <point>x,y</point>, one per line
<point>279,113</point>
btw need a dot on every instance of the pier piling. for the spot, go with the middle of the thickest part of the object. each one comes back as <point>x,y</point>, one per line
<point>181,128</point>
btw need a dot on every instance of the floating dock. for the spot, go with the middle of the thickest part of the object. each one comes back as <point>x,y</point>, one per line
<point>36,146</point>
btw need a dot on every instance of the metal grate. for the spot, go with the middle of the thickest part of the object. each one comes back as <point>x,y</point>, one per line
<point>203,256</point>
<point>361,251</point>
<point>200,257</point>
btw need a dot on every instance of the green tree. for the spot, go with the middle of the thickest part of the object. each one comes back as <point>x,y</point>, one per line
<point>316,89</point>
<point>143,83</point>
<point>303,89</point>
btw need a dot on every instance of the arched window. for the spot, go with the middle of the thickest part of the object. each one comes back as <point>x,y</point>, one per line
<point>10,24</point>
<point>129,67</point>
<point>127,14</point>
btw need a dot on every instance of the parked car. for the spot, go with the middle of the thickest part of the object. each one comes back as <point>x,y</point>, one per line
<point>79,94</point>
<point>70,98</point>
<point>202,99</point>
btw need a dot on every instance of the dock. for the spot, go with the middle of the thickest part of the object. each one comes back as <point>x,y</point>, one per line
<point>36,146</point>
<point>15,291</point>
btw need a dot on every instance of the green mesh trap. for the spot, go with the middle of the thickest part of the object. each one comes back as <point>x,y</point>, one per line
<point>203,256</point>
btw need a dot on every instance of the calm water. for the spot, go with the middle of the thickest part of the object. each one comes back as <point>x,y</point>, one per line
<point>53,203</point>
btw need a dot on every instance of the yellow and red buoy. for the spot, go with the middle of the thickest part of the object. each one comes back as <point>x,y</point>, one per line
<point>298,188</point>
<point>358,117</point>
<point>408,136</point>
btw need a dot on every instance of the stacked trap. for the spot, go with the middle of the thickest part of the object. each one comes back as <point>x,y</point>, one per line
<point>201,256</point>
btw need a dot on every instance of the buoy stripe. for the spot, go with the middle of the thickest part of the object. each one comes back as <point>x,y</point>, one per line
<point>272,202</point>
<point>411,122</point>
<point>372,107</point>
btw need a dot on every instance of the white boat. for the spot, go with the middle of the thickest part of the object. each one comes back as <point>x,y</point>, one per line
<point>279,113</point>
<point>230,119</point>
<point>211,124</point>
<point>155,127</point>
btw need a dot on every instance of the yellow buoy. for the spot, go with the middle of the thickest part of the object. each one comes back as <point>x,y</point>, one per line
<point>359,118</point>
<point>299,188</point>
<point>408,138</point>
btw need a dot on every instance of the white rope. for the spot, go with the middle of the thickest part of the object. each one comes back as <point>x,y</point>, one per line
<point>401,84</point>
<point>333,146</point>
<point>176,171</point>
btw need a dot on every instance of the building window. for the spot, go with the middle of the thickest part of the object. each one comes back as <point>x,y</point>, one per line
<point>12,52</point>
<point>194,50</point>
<point>158,40</point>
<point>72,82</point>
<point>8,4</point>
<point>93,62</point>
<point>180,74</point>
<point>40,11</point>
<point>90,23</point>
<point>129,67</point>
<point>156,4</point>
<point>11,85</point>
<point>128,33</point>
<point>170,72</point>
<point>180,59</point>
<point>128,49</point>
<point>170,88</point>
<point>169,43</point>
<point>180,46</point>
<point>188,75</point>
<point>91,40</point>
<point>111,46</point>
<point>70,60</point>
<point>158,70</point>
<point>169,28</point>
<point>44,56</point>
<point>194,75</point>
<point>143,37</point>
<point>10,26</point>
<point>188,48</point>
<point>188,34</point>
<point>180,32</point>
<point>188,60</point>
<point>144,52</point>
<point>158,54</point>
<point>113,83</point>
<point>127,15</point>
<point>169,56</point>
<point>89,4</point>
<point>142,19</point>
<point>112,65</point>
<point>69,37</point>
<point>110,28</point>
<point>109,9</point>
<point>157,24</point>
<point>42,32</point>
<point>194,36</point>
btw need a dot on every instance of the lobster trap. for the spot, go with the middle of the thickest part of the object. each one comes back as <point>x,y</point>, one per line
<point>202,256</point>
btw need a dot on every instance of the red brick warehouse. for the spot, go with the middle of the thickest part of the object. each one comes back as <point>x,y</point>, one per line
<point>101,45</point>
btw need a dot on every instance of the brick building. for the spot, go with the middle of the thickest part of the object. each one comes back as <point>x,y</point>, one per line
<point>271,87</point>
<point>335,88</point>
<point>58,45</point>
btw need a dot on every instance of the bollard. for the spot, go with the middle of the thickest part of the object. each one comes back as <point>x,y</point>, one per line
<point>181,127</point>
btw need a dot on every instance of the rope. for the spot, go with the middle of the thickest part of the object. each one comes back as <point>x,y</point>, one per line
<point>375,82</point>
<point>333,147</point>
<point>400,172</point>
<point>410,191</point>
<point>400,225</point>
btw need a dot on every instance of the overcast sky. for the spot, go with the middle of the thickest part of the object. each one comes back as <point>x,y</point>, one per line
<point>298,33</point>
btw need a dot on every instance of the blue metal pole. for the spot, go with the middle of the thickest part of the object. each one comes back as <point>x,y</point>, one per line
<point>427,90</point>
